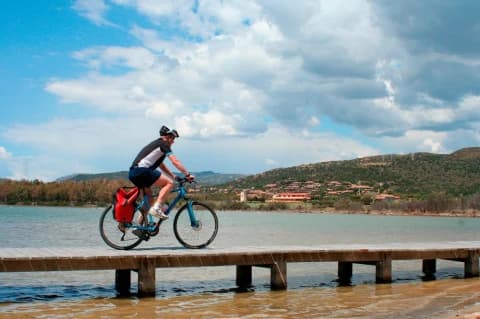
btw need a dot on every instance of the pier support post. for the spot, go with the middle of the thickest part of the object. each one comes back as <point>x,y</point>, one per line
<point>244,276</point>
<point>384,270</point>
<point>429,267</point>
<point>345,270</point>
<point>146,278</point>
<point>472,265</point>
<point>278,276</point>
<point>123,281</point>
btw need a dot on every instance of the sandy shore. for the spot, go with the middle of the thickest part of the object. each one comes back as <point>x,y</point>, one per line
<point>467,213</point>
<point>470,313</point>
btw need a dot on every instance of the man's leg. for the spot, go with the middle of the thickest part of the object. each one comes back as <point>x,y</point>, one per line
<point>147,192</point>
<point>166,186</point>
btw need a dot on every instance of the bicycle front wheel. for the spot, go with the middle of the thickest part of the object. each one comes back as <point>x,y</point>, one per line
<point>119,235</point>
<point>203,230</point>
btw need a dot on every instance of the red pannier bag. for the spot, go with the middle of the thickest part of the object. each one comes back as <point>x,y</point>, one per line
<point>124,203</point>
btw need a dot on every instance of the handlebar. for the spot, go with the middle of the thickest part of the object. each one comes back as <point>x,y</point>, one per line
<point>183,180</point>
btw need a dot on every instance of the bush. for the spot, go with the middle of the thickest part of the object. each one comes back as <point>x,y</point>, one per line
<point>273,206</point>
<point>348,205</point>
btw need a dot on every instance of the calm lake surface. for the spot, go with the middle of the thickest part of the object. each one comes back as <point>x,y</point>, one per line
<point>211,292</point>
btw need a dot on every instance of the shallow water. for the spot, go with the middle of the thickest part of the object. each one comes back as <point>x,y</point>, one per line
<point>408,300</point>
<point>210,292</point>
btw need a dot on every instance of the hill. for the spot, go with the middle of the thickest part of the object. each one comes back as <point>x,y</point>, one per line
<point>203,178</point>
<point>414,175</point>
<point>425,182</point>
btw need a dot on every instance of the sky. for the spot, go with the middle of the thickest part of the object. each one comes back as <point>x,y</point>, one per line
<point>249,85</point>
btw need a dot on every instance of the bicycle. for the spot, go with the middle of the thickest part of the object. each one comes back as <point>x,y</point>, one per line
<point>195,224</point>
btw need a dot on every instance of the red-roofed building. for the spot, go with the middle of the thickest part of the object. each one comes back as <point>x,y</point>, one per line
<point>386,197</point>
<point>291,197</point>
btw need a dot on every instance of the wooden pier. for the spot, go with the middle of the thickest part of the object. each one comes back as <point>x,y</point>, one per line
<point>243,258</point>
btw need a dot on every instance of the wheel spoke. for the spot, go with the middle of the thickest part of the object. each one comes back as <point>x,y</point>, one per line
<point>201,234</point>
<point>119,235</point>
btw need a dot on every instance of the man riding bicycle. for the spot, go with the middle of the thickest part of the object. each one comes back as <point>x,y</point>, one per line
<point>144,171</point>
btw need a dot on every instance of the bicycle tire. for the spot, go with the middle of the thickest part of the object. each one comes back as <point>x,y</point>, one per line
<point>113,236</point>
<point>196,237</point>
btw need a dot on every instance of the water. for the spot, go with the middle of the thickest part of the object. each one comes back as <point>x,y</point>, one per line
<point>210,292</point>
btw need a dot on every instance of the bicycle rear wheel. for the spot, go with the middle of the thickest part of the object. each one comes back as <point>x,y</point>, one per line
<point>119,235</point>
<point>199,235</point>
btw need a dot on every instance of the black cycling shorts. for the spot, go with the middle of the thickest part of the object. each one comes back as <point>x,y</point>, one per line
<point>143,177</point>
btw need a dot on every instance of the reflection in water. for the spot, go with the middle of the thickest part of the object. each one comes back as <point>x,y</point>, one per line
<point>440,299</point>
<point>210,292</point>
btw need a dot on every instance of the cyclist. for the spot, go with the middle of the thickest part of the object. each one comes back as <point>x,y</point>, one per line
<point>144,171</point>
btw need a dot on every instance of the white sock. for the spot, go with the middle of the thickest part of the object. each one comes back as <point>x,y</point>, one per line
<point>156,206</point>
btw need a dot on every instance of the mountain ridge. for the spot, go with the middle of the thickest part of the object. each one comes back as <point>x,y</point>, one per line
<point>415,174</point>
<point>203,177</point>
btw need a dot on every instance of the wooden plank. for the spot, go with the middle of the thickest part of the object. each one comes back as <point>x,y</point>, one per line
<point>345,271</point>
<point>383,273</point>
<point>472,264</point>
<point>278,276</point>
<point>54,259</point>
<point>146,277</point>
<point>123,281</point>
<point>429,267</point>
<point>244,276</point>
<point>275,258</point>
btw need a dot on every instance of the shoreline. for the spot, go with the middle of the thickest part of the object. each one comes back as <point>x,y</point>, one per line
<point>454,213</point>
<point>471,213</point>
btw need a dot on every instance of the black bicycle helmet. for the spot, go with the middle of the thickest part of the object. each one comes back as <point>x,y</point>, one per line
<point>166,131</point>
<point>173,133</point>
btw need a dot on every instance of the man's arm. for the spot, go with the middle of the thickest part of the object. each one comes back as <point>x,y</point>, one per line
<point>176,162</point>
<point>164,168</point>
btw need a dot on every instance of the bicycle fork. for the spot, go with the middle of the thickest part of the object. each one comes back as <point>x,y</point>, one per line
<point>193,220</point>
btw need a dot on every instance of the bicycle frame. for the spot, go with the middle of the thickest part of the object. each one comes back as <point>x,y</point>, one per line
<point>181,194</point>
<point>195,224</point>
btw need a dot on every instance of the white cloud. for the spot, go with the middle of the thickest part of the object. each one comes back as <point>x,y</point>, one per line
<point>206,19</point>
<point>212,123</point>
<point>293,63</point>
<point>107,93</point>
<point>65,146</point>
<point>257,78</point>
<point>433,146</point>
<point>93,10</point>
<point>418,141</point>
<point>4,154</point>
<point>275,148</point>
<point>82,138</point>
<point>271,162</point>
<point>133,57</point>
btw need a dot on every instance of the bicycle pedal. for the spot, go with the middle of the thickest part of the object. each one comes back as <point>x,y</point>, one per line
<point>141,234</point>
<point>154,232</point>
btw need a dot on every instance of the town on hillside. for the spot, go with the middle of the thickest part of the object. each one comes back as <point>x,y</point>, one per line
<point>295,191</point>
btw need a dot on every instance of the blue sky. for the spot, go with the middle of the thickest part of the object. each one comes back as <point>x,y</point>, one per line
<point>250,85</point>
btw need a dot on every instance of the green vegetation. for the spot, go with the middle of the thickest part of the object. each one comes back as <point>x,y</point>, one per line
<point>415,176</point>
<point>424,182</point>
<point>66,193</point>
<point>204,178</point>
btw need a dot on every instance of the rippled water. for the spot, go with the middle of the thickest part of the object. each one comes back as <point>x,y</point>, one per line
<point>211,292</point>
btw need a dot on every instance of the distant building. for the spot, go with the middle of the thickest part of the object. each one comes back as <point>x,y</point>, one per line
<point>290,197</point>
<point>386,197</point>
<point>250,194</point>
<point>360,187</point>
<point>271,185</point>
<point>332,192</point>
<point>334,183</point>
<point>243,196</point>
